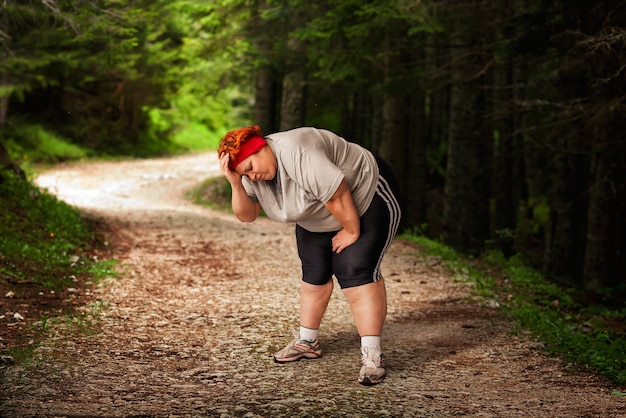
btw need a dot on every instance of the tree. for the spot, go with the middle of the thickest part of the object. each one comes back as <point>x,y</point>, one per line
<point>602,49</point>
<point>62,55</point>
<point>371,51</point>
<point>470,136</point>
<point>506,130</point>
<point>5,39</point>
<point>508,152</point>
<point>394,143</point>
<point>33,37</point>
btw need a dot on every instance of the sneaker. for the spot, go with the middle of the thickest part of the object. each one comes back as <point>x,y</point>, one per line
<point>298,349</point>
<point>373,370</point>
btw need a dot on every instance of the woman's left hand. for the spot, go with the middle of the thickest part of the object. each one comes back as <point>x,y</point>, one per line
<point>342,240</point>
<point>342,208</point>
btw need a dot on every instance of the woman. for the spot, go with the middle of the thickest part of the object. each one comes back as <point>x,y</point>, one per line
<point>344,202</point>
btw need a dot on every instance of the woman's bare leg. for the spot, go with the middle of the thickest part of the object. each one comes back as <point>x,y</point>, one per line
<point>369,307</point>
<point>313,303</point>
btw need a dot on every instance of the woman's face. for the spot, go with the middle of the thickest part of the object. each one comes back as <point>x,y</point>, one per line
<point>260,166</point>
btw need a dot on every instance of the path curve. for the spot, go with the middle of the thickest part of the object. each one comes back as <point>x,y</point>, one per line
<point>203,301</point>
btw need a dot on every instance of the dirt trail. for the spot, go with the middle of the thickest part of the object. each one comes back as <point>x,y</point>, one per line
<point>203,301</point>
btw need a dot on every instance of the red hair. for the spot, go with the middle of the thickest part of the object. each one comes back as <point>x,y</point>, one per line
<point>232,141</point>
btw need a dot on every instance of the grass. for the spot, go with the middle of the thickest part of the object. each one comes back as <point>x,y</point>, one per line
<point>214,193</point>
<point>590,336</point>
<point>45,245</point>
<point>195,137</point>
<point>82,321</point>
<point>46,242</point>
<point>29,144</point>
<point>43,241</point>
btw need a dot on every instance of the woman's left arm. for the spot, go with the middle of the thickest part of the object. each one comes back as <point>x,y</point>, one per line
<point>342,207</point>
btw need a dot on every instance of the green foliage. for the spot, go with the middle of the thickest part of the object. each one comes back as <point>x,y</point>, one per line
<point>22,354</point>
<point>42,240</point>
<point>195,136</point>
<point>347,40</point>
<point>457,264</point>
<point>589,336</point>
<point>583,334</point>
<point>84,320</point>
<point>194,122</point>
<point>36,144</point>
<point>94,72</point>
<point>214,192</point>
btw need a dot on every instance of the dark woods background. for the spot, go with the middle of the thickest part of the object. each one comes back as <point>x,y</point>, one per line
<point>504,120</point>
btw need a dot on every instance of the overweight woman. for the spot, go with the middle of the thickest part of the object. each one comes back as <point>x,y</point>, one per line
<point>345,205</point>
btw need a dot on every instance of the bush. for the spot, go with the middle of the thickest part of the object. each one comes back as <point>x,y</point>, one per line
<point>41,238</point>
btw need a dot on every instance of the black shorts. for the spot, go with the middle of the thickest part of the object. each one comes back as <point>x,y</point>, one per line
<point>358,264</point>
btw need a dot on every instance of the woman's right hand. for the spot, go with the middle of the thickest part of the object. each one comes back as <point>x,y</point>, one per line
<point>244,208</point>
<point>232,176</point>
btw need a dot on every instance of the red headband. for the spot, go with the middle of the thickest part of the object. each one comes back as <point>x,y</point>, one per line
<point>248,148</point>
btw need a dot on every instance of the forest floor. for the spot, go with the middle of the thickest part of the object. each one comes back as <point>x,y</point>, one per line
<point>202,301</point>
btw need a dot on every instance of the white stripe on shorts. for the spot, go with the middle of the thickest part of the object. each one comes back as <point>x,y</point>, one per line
<point>386,193</point>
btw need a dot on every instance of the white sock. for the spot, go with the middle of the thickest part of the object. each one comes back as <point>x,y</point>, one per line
<point>372,341</point>
<point>308,334</point>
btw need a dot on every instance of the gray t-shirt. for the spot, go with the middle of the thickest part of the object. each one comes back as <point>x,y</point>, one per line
<point>311,165</point>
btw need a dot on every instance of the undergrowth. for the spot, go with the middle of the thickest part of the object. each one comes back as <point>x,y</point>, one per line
<point>590,336</point>
<point>214,193</point>
<point>43,241</point>
<point>585,335</point>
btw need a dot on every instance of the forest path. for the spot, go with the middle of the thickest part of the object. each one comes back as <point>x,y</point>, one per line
<point>202,302</point>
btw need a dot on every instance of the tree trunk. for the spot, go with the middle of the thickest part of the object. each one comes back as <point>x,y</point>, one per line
<point>4,103</point>
<point>566,234</point>
<point>4,76</point>
<point>377,123</point>
<point>605,256</point>
<point>569,196</point>
<point>605,250</point>
<point>7,164</point>
<point>506,184</point>
<point>417,167</point>
<point>265,100</point>
<point>266,80</point>
<point>5,159</point>
<point>436,134</point>
<point>356,119</point>
<point>466,207</point>
<point>393,146</point>
<point>293,99</point>
<point>292,103</point>
<point>505,190</point>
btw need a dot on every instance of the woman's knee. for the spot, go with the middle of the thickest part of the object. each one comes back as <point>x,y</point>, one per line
<point>316,290</point>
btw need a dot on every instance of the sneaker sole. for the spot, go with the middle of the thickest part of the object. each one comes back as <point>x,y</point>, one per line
<point>308,356</point>
<point>366,381</point>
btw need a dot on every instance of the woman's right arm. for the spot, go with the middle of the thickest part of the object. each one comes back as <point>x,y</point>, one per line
<point>243,207</point>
